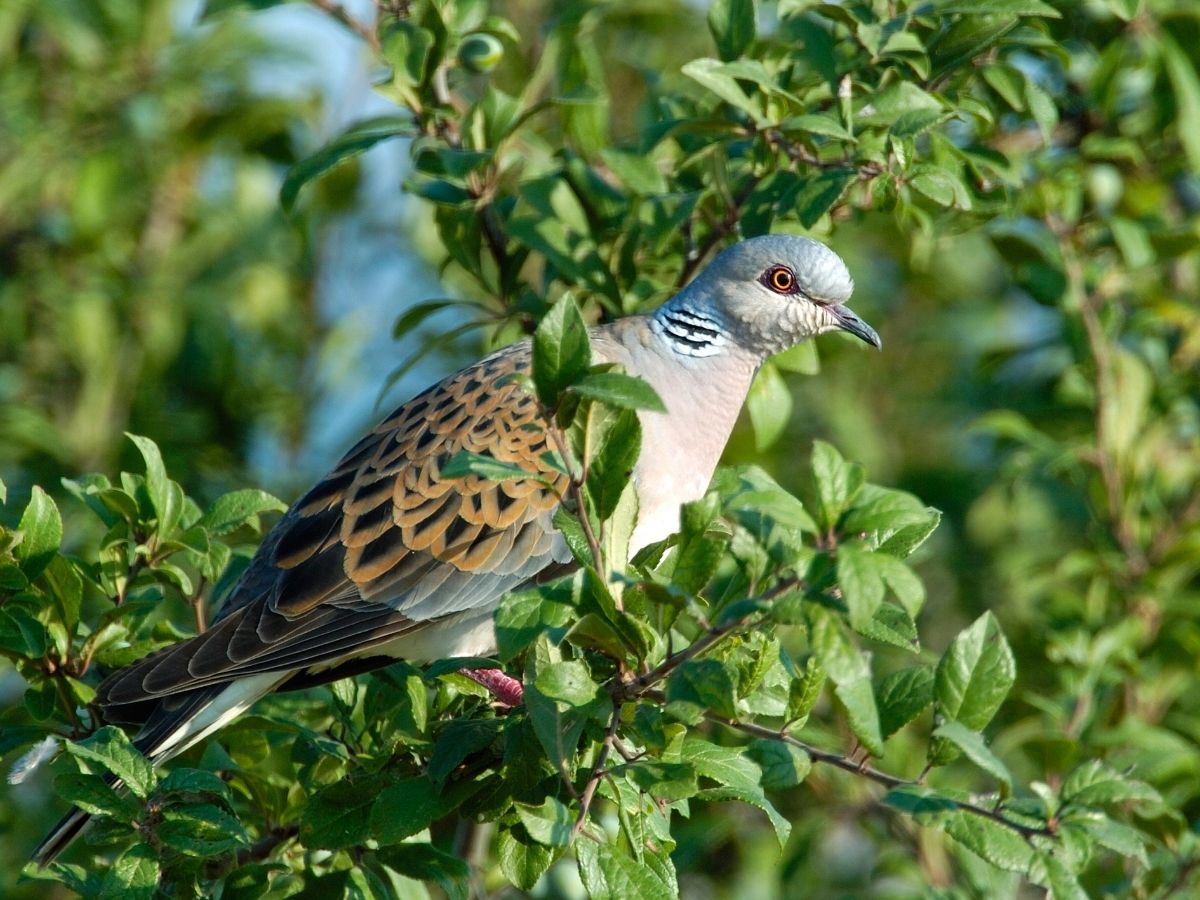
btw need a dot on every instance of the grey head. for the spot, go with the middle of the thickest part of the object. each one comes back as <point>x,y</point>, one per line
<point>763,295</point>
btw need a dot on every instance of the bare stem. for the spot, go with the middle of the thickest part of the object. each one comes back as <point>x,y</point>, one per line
<point>864,770</point>
<point>364,31</point>
<point>598,772</point>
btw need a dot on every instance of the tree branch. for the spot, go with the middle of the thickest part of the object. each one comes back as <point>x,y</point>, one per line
<point>598,772</point>
<point>364,31</point>
<point>872,774</point>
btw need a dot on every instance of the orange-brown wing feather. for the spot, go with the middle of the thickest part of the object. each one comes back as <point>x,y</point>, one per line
<point>384,543</point>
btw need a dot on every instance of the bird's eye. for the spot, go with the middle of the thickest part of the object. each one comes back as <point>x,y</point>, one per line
<point>781,279</point>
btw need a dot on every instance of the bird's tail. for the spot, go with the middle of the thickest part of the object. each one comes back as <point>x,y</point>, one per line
<point>60,837</point>
<point>178,722</point>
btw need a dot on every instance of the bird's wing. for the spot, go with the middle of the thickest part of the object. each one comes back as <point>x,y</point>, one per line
<point>383,544</point>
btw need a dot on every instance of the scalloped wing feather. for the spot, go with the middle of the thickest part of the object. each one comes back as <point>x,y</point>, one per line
<point>384,544</point>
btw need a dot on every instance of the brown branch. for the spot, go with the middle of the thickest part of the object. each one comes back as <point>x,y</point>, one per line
<point>640,685</point>
<point>256,852</point>
<point>576,489</point>
<point>598,772</point>
<point>197,604</point>
<point>364,31</point>
<point>872,774</point>
<point>636,687</point>
<point>726,227</point>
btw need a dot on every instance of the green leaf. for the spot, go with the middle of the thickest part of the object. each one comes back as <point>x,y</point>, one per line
<point>663,781</point>
<point>916,122</point>
<point>615,440</point>
<point>411,805</point>
<point>756,798</point>
<point>351,143</point>
<point>561,352</point>
<point>1042,108</point>
<point>42,530</point>
<point>425,862</point>
<point>919,801</point>
<point>559,722</point>
<point>993,7</point>
<point>201,830</point>
<point>165,496</point>
<point>769,404</point>
<point>609,873</point>
<point>1116,836</point>
<point>837,483</point>
<point>858,575</point>
<point>339,815</point>
<point>972,744</point>
<point>820,192</point>
<point>523,615</point>
<point>892,625</point>
<point>903,581</point>
<point>1095,783</point>
<point>456,741</point>
<point>733,24</point>
<point>714,76</point>
<point>1002,847</point>
<point>975,674</point>
<point>804,691</point>
<point>550,824</point>
<point>801,359</point>
<point>783,765</point>
<point>706,683</point>
<point>415,315</point>
<point>486,466</point>
<point>569,681</point>
<point>858,699</point>
<point>1186,88</point>
<point>232,510</point>
<point>133,876</point>
<point>1051,872</point>
<point>620,390</point>
<point>93,794</point>
<point>522,860</point>
<point>729,766</point>
<point>902,696</point>
<point>111,750</point>
<point>193,782</point>
<point>834,648</point>
<point>21,633</point>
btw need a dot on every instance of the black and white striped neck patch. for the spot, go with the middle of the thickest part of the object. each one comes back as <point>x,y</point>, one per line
<point>689,332</point>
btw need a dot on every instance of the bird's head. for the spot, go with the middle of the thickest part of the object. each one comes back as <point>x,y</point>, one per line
<point>772,292</point>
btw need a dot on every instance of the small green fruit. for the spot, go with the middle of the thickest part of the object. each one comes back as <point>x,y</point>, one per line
<point>480,52</point>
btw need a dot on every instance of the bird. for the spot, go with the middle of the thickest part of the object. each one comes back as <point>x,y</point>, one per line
<point>384,559</point>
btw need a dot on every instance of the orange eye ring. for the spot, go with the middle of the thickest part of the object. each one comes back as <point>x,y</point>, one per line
<point>781,279</point>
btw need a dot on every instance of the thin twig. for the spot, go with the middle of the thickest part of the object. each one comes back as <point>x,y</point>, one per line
<point>872,774</point>
<point>639,685</point>
<point>713,635</point>
<point>726,227</point>
<point>364,31</point>
<point>197,603</point>
<point>598,772</point>
<point>576,491</point>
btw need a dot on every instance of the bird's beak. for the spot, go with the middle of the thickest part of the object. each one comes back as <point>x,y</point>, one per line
<point>848,321</point>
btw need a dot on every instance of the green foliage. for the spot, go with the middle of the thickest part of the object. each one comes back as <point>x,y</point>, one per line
<point>143,252</point>
<point>812,688</point>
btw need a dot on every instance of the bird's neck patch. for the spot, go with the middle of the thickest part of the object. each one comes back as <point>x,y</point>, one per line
<point>688,331</point>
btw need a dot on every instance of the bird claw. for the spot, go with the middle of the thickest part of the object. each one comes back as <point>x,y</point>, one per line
<point>504,688</point>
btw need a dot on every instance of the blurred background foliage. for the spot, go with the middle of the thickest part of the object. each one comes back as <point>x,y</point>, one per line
<point>1014,184</point>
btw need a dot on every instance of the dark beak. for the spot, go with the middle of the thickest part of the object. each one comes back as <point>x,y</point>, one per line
<point>848,321</point>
